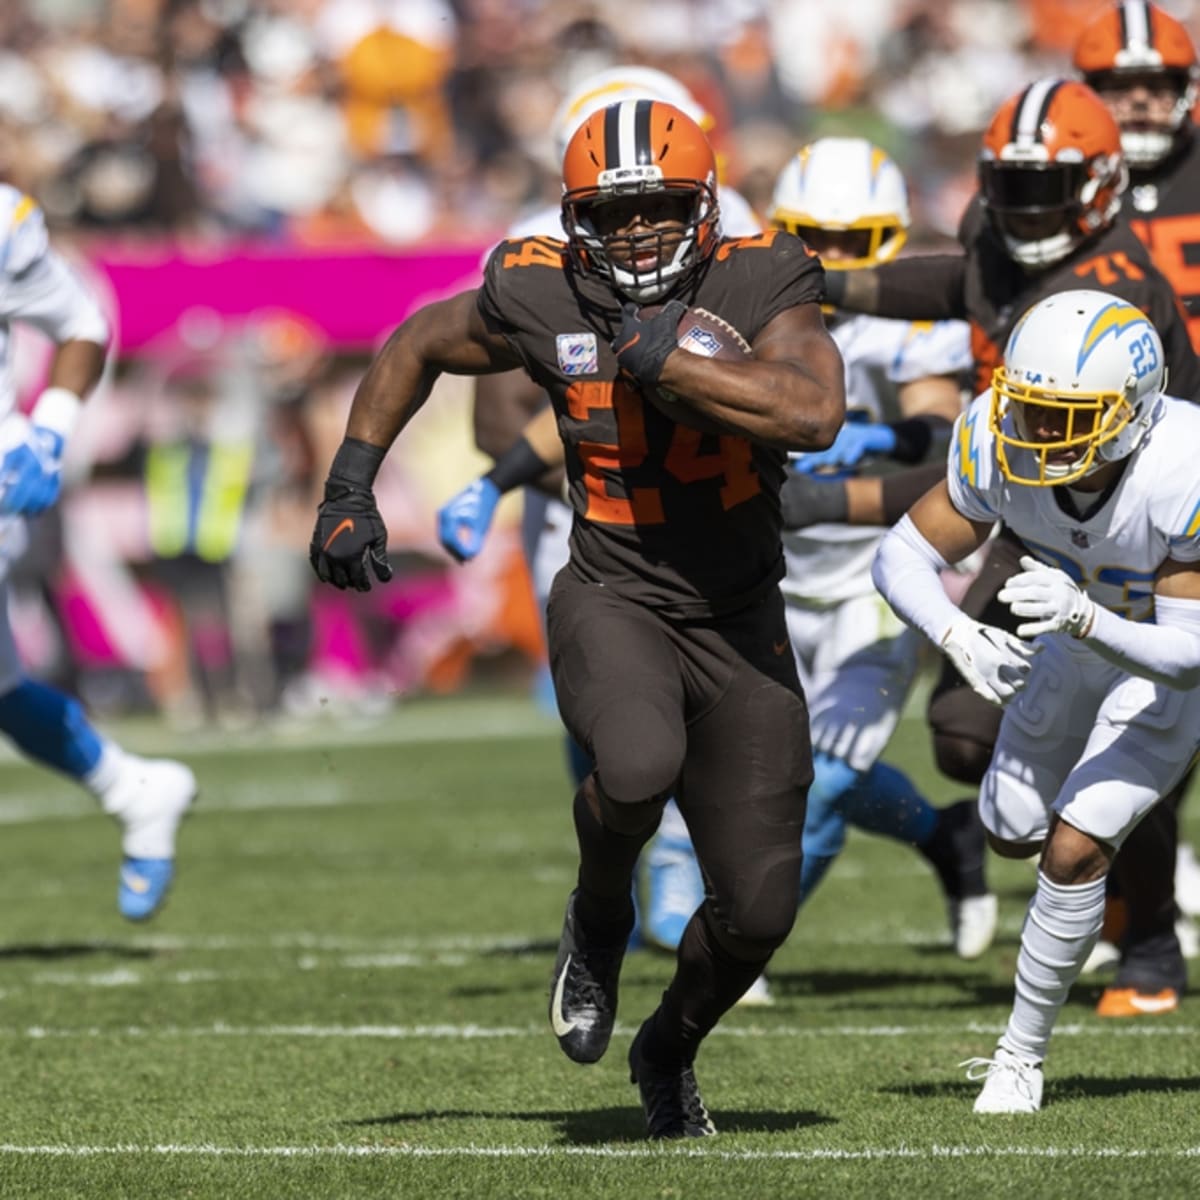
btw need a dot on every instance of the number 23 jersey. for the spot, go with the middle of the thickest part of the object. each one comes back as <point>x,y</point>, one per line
<point>1152,513</point>
<point>685,522</point>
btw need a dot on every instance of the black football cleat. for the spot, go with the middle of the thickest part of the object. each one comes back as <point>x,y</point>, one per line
<point>583,994</point>
<point>670,1097</point>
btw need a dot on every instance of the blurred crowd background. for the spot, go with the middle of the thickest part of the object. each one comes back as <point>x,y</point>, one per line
<point>262,190</point>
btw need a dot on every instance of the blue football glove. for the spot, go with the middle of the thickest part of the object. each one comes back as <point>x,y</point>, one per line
<point>464,521</point>
<point>31,473</point>
<point>854,442</point>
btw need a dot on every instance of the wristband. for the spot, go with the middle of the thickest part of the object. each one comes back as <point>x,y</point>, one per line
<point>519,464</point>
<point>835,287</point>
<point>915,436</point>
<point>57,409</point>
<point>357,463</point>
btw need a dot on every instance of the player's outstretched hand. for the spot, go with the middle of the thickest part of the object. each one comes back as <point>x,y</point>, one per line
<point>31,472</point>
<point>349,537</point>
<point>464,520</point>
<point>644,343</point>
<point>991,660</point>
<point>855,441</point>
<point>1053,600</point>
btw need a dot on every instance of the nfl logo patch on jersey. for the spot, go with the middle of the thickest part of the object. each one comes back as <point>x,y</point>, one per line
<point>577,353</point>
<point>701,341</point>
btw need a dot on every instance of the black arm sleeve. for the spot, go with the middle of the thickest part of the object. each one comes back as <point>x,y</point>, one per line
<point>518,465</point>
<point>925,287</point>
<point>902,489</point>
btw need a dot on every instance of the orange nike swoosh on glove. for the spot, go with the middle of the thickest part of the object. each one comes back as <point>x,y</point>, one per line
<point>347,523</point>
<point>633,341</point>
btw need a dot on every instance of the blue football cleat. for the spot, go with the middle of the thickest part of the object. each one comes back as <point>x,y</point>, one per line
<point>144,886</point>
<point>673,890</point>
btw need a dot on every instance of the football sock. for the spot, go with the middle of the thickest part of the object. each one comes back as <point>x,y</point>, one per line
<point>884,800</point>
<point>707,983</point>
<point>604,904</point>
<point>1061,926</point>
<point>50,727</point>
<point>672,825</point>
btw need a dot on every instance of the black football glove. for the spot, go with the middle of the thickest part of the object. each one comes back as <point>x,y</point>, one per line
<point>349,534</point>
<point>643,345</point>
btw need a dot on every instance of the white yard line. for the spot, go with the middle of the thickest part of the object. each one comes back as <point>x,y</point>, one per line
<point>469,1032</point>
<point>935,1152</point>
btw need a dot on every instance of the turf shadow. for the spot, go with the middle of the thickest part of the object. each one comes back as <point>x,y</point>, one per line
<point>601,1125</point>
<point>54,951</point>
<point>1070,1087</point>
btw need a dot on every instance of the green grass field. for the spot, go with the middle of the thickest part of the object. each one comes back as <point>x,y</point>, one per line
<point>346,997</point>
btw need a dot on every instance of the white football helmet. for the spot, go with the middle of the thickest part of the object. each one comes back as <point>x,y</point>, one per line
<point>621,83</point>
<point>1078,388</point>
<point>843,185</point>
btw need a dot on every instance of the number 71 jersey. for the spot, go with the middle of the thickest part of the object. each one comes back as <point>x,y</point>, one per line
<point>1151,514</point>
<point>685,522</point>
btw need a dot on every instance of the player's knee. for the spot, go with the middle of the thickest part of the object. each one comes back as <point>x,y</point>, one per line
<point>759,916</point>
<point>964,728</point>
<point>960,758</point>
<point>639,754</point>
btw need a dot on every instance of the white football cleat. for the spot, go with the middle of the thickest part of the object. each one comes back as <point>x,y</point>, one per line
<point>757,995</point>
<point>1011,1085</point>
<point>972,924</point>
<point>1187,881</point>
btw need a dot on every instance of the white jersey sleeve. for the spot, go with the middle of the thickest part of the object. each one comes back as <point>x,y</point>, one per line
<point>930,348</point>
<point>23,237</point>
<point>1174,502</point>
<point>976,484</point>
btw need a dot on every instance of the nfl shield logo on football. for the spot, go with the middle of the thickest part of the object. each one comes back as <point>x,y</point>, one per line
<point>577,353</point>
<point>701,341</point>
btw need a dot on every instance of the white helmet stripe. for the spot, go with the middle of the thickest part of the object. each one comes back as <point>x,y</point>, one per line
<point>1135,25</point>
<point>1031,111</point>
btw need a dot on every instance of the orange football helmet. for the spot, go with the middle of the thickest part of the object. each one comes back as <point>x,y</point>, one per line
<point>1051,172</point>
<point>648,159</point>
<point>1135,42</point>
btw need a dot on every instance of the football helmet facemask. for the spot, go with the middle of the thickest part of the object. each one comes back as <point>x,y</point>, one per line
<point>1051,172</point>
<point>1078,388</point>
<point>847,199</point>
<point>648,160</point>
<point>1136,43</point>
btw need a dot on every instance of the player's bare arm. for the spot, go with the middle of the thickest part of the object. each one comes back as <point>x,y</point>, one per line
<point>927,287</point>
<point>448,336</point>
<point>790,393</point>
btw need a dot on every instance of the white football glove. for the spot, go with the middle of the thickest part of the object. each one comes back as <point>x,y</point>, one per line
<point>991,660</point>
<point>1051,597</point>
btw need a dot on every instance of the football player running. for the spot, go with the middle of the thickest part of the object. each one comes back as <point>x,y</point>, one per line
<point>1077,449</point>
<point>504,403</point>
<point>148,797</point>
<point>1142,63</point>
<point>1045,220</point>
<point>666,625</point>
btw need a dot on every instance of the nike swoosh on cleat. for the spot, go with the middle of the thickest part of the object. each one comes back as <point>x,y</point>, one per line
<point>347,523</point>
<point>562,1026</point>
<point>135,883</point>
<point>633,341</point>
<point>779,648</point>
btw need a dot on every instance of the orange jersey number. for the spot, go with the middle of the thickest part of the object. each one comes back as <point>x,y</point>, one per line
<point>535,252</point>
<point>731,461</point>
<point>1174,244</point>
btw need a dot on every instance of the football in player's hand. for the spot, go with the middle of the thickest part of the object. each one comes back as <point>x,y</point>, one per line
<point>704,333</point>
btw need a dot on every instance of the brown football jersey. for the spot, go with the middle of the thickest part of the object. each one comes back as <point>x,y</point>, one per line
<point>1162,207</point>
<point>996,291</point>
<point>687,523</point>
